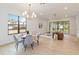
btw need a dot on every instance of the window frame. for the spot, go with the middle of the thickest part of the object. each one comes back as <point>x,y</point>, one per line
<point>18,30</point>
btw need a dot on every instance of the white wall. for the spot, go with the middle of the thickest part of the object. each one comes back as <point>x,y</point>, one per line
<point>4,38</point>
<point>73,26</point>
<point>32,25</point>
<point>77,25</point>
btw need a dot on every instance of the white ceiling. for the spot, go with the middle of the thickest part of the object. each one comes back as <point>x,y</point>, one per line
<point>47,11</point>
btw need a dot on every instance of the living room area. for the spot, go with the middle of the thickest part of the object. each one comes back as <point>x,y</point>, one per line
<point>41,28</point>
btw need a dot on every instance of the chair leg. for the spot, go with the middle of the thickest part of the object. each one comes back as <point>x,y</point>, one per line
<point>32,45</point>
<point>25,46</point>
<point>16,47</point>
<point>38,42</point>
<point>38,37</point>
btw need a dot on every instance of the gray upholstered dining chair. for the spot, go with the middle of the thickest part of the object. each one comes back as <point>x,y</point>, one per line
<point>17,41</point>
<point>28,41</point>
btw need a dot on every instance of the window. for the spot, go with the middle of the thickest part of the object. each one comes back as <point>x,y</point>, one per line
<point>58,26</point>
<point>16,24</point>
<point>22,24</point>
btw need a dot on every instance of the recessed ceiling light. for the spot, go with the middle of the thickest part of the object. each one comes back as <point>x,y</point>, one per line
<point>65,8</point>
